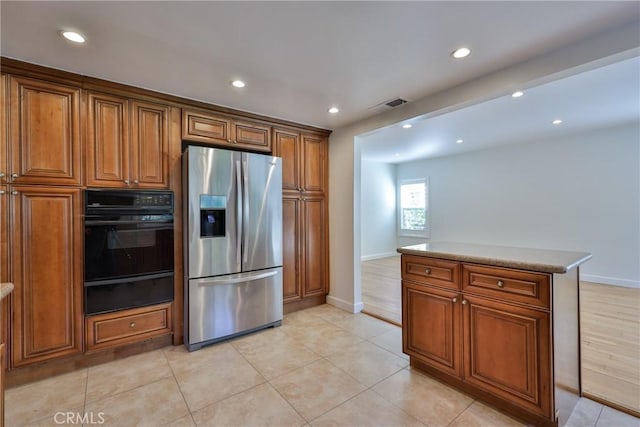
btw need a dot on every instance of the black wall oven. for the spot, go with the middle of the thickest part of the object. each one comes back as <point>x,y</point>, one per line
<point>128,249</point>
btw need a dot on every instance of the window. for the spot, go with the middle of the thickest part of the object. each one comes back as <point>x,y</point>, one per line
<point>414,208</point>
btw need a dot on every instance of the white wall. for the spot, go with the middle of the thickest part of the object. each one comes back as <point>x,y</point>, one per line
<point>577,193</point>
<point>344,144</point>
<point>378,199</point>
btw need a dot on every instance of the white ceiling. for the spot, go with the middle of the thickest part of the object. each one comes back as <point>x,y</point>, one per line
<point>603,97</point>
<point>298,58</point>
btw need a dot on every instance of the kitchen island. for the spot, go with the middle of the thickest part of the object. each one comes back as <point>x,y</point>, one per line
<point>500,323</point>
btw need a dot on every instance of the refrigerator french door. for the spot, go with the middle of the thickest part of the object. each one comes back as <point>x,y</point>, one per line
<point>232,243</point>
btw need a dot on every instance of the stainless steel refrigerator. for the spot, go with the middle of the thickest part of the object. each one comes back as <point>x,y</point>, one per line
<point>232,243</point>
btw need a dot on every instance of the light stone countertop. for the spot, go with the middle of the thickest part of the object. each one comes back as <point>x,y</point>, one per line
<point>542,260</point>
<point>5,289</point>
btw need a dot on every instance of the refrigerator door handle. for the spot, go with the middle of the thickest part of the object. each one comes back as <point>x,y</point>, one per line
<point>246,209</point>
<point>223,281</point>
<point>238,214</point>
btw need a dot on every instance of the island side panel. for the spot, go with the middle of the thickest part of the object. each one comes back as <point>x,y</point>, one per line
<point>566,342</point>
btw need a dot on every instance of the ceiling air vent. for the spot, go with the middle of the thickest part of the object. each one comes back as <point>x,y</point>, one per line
<point>395,102</point>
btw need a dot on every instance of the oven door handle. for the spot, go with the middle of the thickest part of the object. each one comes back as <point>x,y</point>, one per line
<point>223,281</point>
<point>98,222</point>
<point>127,279</point>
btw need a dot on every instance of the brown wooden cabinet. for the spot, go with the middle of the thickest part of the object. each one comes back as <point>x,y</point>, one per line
<point>487,329</point>
<point>127,326</point>
<point>127,143</point>
<point>44,132</point>
<point>508,352</point>
<point>46,243</point>
<point>431,328</point>
<point>305,222</point>
<point>225,131</point>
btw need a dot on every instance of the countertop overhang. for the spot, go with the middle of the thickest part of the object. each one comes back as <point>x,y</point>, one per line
<point>541,260</point>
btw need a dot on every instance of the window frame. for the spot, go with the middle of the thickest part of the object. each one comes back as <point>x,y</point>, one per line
<point>427,226</point>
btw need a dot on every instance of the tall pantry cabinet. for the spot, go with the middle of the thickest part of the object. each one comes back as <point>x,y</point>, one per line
<point>41,180</point>
<point>305,225</point>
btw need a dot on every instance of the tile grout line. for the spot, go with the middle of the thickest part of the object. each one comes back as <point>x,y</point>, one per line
<point>595,424</point>
<point>173,374</point>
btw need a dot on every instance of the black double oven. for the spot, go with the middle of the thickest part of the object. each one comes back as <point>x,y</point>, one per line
<point>128,249</point>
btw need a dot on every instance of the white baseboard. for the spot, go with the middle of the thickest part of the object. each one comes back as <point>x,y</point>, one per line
<point>378,256</point>
<point>344,305</point>
<point>610,280</point>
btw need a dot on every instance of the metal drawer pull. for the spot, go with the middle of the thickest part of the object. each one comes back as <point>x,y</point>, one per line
<point>454,300</point>
<point>427,270</point>
<point>132,325</point>
<point>464,302</point>
<point>500,284</point>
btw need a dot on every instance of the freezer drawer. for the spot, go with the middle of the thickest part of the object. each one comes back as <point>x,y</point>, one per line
<point>223,306</point>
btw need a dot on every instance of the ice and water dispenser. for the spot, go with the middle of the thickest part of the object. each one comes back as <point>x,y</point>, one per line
<point>213,210</point>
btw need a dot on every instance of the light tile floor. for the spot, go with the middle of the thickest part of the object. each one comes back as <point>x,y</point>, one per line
<point>322,367</point>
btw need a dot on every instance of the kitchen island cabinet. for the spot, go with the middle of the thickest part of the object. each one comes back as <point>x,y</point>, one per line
<point>499,323</point>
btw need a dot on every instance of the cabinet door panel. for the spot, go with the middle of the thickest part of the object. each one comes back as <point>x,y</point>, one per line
<point>431,332</point>
<point>287,146</point>
<point>508,352</point>
<point>4,162</point>
<point>47,273</point>
<point>252,136</point>
<point>315,248</point>
<point>315,157</point>
<point>203,127</point>
<point>45,132</point>
<point>291,249</point>
<point>150,145</point>
<point>107,141</point>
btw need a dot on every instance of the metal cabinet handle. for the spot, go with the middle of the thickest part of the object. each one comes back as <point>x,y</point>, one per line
<point>229,141</point>
<point>14,192</point>
<point>464,302</point>
<point>427,271</point>
<point>2,175</point>
<point>500,284</point>
<point>454,300</point>
<point>2,192</point>
<point>14,176</point>
<point>135,181</point>
<point>132,325</point>
<point>126,181</point>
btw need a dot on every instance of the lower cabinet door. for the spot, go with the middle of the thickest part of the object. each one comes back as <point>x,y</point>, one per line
<point>431,326</point>
<point>508,352</point>
<point>46,242</point>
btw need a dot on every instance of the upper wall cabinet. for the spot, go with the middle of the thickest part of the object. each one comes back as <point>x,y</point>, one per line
<point>128,141</point>
<point>44,133</point>
<point>225,132</point>
<point>304,161</point>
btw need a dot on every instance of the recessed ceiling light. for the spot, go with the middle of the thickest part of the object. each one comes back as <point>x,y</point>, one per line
<point>73,36</point>
<point>333,110</point>
<point>459,141</point>
<point>238,83</point>
<point>517,94</point>
<point>407,125</point>
<point>556,122</point>
<point>461,52</point>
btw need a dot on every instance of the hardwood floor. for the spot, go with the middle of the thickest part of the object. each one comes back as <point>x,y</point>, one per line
<point>381,291</point>
<point>610,330</point>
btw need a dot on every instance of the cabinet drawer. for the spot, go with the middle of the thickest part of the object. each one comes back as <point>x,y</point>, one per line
<point>431,271</point>
<point>128,326</point>
<point>507,284</point>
